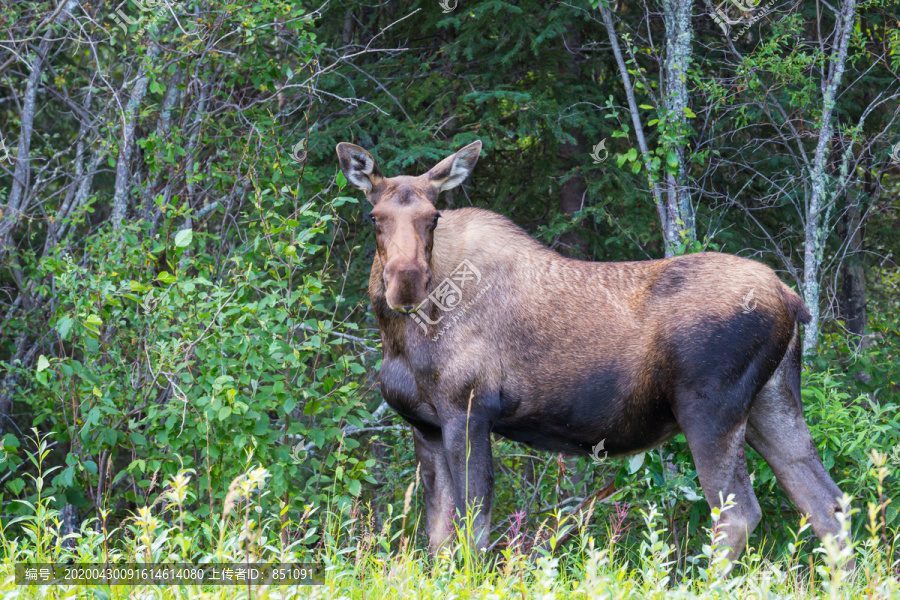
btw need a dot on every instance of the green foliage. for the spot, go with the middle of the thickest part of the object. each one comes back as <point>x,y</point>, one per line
<point>159,369</point>
<point>359,560</point>
<point>846,431</point>
<point>502,72</point>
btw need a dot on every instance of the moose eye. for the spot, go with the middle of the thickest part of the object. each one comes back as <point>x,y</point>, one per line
<point>373,219</point>
<point>436,217</point>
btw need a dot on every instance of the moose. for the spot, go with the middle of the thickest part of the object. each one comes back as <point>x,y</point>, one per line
<point>485,330</point>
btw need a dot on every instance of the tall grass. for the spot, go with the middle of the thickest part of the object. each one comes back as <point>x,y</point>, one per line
<point>359,559</point>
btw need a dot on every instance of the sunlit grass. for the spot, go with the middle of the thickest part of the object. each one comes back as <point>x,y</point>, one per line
<point>358,559</point>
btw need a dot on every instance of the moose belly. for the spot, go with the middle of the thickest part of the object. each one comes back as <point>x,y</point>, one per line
<point>553,411</point>
<point>555,437</point>
<point>585,413</point>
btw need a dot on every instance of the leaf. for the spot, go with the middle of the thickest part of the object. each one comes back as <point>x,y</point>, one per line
<point>16,486</point>
<point>357,368</point>
<point>672,158</point>
<point>166,277</point>
<point>635,462</point>
<point>224,413</point>
<point>689,113</point>
<point>340,200</point>
<point>183,238</point>
<point>93,324</point>
<point>67,477</point>
<point>64,326</point>
<point>43,363</point>
<point>119,476</point>
<point>137,286</point>
<point>689,494</point>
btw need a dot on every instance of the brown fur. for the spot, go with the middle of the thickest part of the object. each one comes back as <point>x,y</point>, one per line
<point>562,354</point>
<point>544,304</point>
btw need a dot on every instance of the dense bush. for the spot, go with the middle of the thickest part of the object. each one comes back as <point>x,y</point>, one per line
<point>158,369</point>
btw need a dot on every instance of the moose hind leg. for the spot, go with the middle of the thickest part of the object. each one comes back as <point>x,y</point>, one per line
<point>718,451</point>
<point>776,429</point>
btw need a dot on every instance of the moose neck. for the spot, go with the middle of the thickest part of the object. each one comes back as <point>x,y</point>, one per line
<point>485,239</point>
<point>490,243</point>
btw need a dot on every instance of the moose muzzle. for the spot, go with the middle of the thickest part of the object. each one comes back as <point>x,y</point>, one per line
<point>406,284</point>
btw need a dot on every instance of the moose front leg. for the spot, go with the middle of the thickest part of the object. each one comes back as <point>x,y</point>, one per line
<point>467,443</point>
<point>438,484</point>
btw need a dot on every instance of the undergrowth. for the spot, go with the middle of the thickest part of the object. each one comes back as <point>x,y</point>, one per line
<point>356,558</point>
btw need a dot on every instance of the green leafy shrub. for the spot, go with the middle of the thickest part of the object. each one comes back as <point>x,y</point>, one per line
<point>158,369</point>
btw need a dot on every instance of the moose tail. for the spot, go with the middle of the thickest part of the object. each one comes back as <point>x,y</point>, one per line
<point>795,304</point>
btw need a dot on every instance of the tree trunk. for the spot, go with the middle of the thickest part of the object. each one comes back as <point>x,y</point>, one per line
<point>163,131</point>
<point>572,196</point>
<point>674,206</point>
<point>129,124</point>
<point>11,379</point>
<point>853,278</point>
<point>572,191</point>
<point>819,205</point>
<point>10,214</point>
<point>675,102</point>
<point>69,523</point>
<point>853,268</point>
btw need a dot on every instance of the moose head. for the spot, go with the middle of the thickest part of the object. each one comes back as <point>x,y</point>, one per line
<point>404,217</point>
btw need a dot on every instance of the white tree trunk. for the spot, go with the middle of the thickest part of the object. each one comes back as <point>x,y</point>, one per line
<point>819,202</point>
<point>15,206</point>
<point>129,124</point>
<point>671,194</point>
<point>675,101</point>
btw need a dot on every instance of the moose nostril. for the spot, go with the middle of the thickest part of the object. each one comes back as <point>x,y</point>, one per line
<point>407,307</point>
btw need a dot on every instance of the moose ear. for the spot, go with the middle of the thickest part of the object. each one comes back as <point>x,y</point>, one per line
<point>358,166</point>
<point>454,169</point>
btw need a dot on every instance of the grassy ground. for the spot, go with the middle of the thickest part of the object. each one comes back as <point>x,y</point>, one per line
<point>358,560</point>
